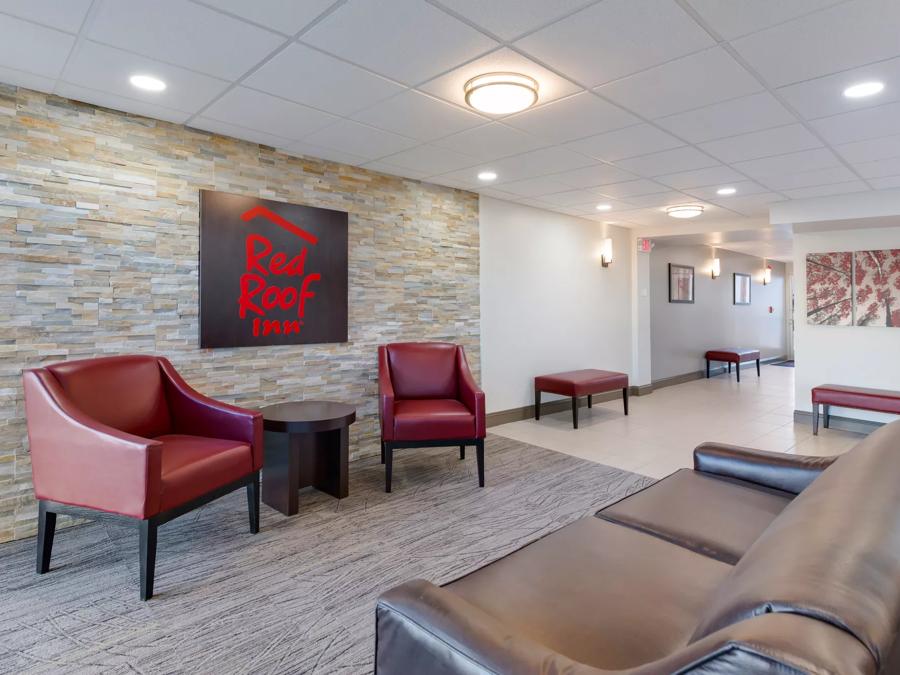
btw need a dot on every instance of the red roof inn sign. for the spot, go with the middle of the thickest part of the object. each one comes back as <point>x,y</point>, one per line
<point>270,273</point>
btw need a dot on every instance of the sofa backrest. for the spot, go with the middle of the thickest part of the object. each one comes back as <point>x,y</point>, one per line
<point>124,392</point>
<point>833,554</point>
<point>423,369</point>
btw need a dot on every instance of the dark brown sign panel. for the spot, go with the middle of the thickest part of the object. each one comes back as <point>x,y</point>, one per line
<point>271,273</point>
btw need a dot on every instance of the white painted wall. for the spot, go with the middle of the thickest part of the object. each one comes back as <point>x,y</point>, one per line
<point>547,305</point>
<point>865,356</point>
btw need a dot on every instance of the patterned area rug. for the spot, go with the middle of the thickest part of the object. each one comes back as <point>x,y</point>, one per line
<point>298,597</point>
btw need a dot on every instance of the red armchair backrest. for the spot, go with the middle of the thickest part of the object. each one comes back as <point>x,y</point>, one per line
<point>124,392</point>
<point>423,369</point>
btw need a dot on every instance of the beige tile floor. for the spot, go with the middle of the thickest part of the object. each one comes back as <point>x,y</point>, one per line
<point>663,428</point>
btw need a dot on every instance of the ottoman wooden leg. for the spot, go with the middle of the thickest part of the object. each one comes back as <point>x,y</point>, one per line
<point>815,419</point>
<point>590,400</point>
<point>826,419</point>
<point>575,412</point>
<point>757,368</point>
<point>707,369</point>
<point>737,369</point>
<point>729,367</point>
<point>625,398</point>
<point>537,404</point>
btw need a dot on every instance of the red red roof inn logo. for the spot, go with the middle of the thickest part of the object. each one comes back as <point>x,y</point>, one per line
<point>271,273</point>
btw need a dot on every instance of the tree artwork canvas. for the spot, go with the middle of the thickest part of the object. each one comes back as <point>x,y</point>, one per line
<point>829,288</point>
<point>877,282</point>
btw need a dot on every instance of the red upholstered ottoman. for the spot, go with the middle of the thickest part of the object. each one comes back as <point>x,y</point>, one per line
<point>736,355</point>
<point>577,383</point>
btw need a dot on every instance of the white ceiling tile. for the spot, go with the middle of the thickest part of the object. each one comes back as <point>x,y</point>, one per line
<point>777,141</point>
<point>303,149</point>
<point>418,116</point>
<point>451,86</point>
<point>511,18</point>
<point>107,100</point>
<point>406,40</point>
<point>429,160</point>
<point>881,168</point>
<point>183,33</point>
<point>359,139</point>
<point>827,190</point>
<point>308,76</point>
<point>831,175</point>
<point>591,176</point>
<point>491,141</point>
<point>19,78</point>
<point>574,117</point>
<point>533,187</point>
<point>33,49</point>
<point>539,163</point>
<point>885,183</point>
<point>395,170</point>
<point>104,68</point>
<point>67,15</point>
<point>285,16</point>
<point>574,197</point>
<point>234,131</point>
<point>823,96</point>
<point>714,175</point>
<point>860,125</point>
<point>845,36</point>
<point>668,161</point>
<point>256,110</point>
<point>732,19</point>
<point>660,199</point>
<point>500,194</point>
<point>789,163</point>
<point>870,149</point>
<point>752,205</point>
<point>632,188</point>
<point>640,139</point>
<point>744,187</point>
<point>687,83</point>
<point>738,116</point>
<point>615,38</point>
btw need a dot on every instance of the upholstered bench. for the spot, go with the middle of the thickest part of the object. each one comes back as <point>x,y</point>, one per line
<point>736,356</point>
<point>577,383</point>
<point>861,398</point>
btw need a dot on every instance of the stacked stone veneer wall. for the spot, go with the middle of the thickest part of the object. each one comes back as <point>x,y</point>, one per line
<point>99,249</point>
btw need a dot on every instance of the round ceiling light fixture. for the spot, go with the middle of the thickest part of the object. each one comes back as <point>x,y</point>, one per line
<point>147,82</point>
<point>726,191</point>
<point>685,211</point>
<point>603,207</point>
<point>487,176</point>
<point>501,93</point>
<point>863,89</point>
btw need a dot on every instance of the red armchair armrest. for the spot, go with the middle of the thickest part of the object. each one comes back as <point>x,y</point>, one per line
<point>196,414</point>
<point>385,396</point>
<point>79,461</point>
<point>470,394</point>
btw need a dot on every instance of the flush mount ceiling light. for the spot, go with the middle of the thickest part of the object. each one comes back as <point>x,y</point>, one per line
<point>147,82</point>
<point>487,176</point>
<point>863,89</point>
<point>725,191</point>
<point>685,211</point>
<point>604,207</point>
<point>501,93</point>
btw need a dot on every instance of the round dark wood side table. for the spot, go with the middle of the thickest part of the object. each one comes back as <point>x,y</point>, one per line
<point>306,443</point>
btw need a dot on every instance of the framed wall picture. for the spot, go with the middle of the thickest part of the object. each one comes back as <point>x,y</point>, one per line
<point>741,288</point>
<point>681,283</point>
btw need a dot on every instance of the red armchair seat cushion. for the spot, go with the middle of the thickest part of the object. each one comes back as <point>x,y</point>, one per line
<point>432,419</point>
<point>581,382</point>
<point>879,400</point>
<point>735,355</point>
<point>194,465</point>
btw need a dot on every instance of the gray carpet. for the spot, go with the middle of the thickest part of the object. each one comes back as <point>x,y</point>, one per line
<point>298,597</point>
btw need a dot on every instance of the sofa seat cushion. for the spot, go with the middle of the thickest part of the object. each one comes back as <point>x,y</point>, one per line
<point>597,592</point>
<point>432,419</point>
<point>193,466</point>
<point>718,517</point>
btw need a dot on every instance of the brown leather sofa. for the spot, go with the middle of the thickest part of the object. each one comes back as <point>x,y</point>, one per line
<point>752,562</point>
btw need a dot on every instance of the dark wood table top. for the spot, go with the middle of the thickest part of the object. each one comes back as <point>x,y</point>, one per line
<point>303,417</point>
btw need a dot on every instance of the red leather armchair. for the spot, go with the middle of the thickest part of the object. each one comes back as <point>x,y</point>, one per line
<point>126,437</point>
<point>428,398</point>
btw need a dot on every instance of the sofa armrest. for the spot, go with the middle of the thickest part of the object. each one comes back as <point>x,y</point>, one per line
<point>385,395</point>
<point>421,628</point>
<point>77,460</point>
<point>790,473</point>
<point>470,393</point>
<point>199,415</point>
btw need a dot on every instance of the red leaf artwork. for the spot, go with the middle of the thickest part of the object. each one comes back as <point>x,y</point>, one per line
<point>828,288</point>
<point>877,283</point>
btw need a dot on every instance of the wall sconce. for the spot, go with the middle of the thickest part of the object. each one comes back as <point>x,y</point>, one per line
<point>767,275</point>
<point>716,268</point>
<point>606,252</point>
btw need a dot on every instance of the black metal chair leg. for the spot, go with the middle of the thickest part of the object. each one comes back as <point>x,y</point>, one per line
<point>46,530</point>
<point>575,412</point>
<point>462,452</point>
<point>479,453</point>
<point>625,398</point>
<point>148,557</point>
<point>253,503</point>
<point>388,466</point>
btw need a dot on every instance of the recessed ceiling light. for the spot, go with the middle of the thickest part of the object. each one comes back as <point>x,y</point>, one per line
<point>501,93</point>
<point>725,191</point>
<point>685,211</point>
<point>147,82</point>
<point>604,207</point>
<point>487,175</point>
<point>863,89</point>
